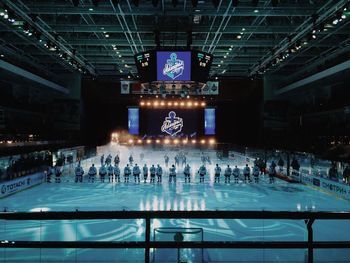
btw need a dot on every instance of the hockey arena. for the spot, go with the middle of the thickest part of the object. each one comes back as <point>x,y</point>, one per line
<point>174,131</point>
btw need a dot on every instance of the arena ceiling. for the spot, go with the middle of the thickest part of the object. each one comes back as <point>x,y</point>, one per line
<point>246,37</point>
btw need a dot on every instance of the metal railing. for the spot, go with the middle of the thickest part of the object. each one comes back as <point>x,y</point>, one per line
<point>147,244</point>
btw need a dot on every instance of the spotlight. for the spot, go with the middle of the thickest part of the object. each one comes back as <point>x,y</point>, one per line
<point>142,103</point>
<point>185,141</point>
<point>176,104</point>
<point>166,141</point>
<point>176,141</point>
<point>196,104</point>
<point>189,104</point>
<point>162,103</point>
<point>211,141</point>
<point>156,103</point>
<point>148,103</point>
<point>203,104</point>
<point>182,104</point>
<point>149,141</point>
<point>170,103</point>
<point>202,141</point>
<point>131,141</point>
<point>194,141</point>
<point>139,141</point>
<point>157,141</point>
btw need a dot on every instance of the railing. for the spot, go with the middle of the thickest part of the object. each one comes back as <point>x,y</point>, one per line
<point>147,244</point>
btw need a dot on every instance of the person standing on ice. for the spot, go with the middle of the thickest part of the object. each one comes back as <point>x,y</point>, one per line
<point>172,174</point>
<point>256,173</point>
<point>92,173</point>
<point>131,159</point>
<point>145,172</point>
<point>116,171</point>
<point>236,173</point>
<point>246,173</point>
<point>102,173</point>
<point>159,173</point>
<point>184,160</point>
<point>166,160</point>
<point>110,173</point>
<point>217,172</point>
<point>228,172</point>
<point>49,173</point>
<point>58,173</point>
<point>153,171</point>
<point>272,173</point>
<point>202,172</point>
<point>187,173</point>
<point>102,159</point>
<point>136,172</point>
<point>116,160</point>
<point>177,161</point>
<point>79,173</point>
<point>127,172</point>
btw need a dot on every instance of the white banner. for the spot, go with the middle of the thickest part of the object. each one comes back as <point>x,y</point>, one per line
<point>327,185</point>
<point>125,87</point>
<point>16,185</point>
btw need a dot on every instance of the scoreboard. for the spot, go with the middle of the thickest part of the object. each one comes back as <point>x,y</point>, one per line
<point>173,65</point>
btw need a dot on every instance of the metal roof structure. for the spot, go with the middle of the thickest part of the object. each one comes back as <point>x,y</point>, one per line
<point>246,37</point>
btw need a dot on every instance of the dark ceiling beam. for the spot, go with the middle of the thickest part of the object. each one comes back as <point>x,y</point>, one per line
<point>271,29</point>
<point>241,12</point>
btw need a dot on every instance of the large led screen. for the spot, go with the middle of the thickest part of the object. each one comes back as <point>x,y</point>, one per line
<point>209,121</point>
<point>173,66</point>
<point>172,122</point>
<point>133,121</point>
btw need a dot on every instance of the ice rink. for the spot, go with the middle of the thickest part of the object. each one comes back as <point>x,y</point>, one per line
<point>70,196</point>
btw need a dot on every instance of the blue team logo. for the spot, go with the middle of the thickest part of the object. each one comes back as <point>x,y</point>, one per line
<point>174,67</point>
<point>172,125</point>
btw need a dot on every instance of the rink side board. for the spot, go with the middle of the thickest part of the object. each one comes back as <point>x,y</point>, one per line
<point>327,186</point>
<point>20,184</point>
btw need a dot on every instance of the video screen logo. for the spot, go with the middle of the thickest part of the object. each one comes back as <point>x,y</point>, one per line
<point>172,125</point>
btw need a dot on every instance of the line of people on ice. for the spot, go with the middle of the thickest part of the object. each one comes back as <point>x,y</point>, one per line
<point>114,173</point>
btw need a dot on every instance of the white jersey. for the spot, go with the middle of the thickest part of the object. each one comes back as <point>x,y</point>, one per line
<point>116,170</point>
<point>92,170</point>
<point>228,171</point>
<point>246,170</point>
<point>217,170</point>
<point>79,171</point>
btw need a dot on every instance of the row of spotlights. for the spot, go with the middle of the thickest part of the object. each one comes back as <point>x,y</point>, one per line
<point>171,103</point>
<point>27,30</point>
<point>172,141</point>
<point>339,17</point>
